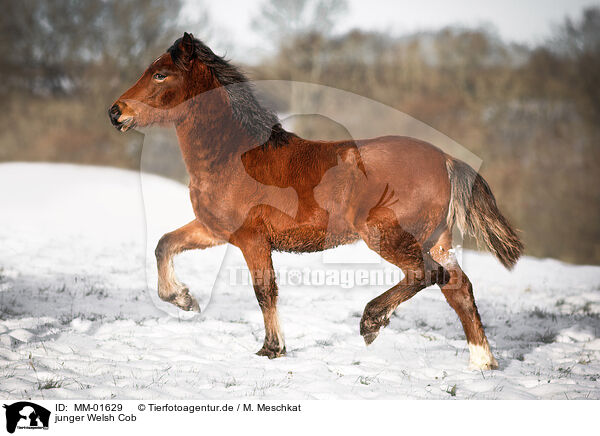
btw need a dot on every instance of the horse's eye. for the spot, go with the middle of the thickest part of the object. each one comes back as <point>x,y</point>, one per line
<point>159,77</point>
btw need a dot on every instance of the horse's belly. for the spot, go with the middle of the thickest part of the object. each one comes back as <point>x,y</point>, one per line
<point>308,239</point>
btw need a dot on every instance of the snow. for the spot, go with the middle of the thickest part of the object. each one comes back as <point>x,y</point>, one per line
<point>79,315</point>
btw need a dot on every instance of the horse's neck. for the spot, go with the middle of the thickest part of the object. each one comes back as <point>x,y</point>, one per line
<point>210,145</point>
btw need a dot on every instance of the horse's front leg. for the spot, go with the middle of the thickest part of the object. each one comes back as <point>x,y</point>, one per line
<point>257,252</point>
<point>191,236</point>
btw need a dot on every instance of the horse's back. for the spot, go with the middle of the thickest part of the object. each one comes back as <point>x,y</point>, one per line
<point>415,172</point>
<point>401,153</point>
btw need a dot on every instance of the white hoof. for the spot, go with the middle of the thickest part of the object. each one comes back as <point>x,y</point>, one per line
<point>481,358</point>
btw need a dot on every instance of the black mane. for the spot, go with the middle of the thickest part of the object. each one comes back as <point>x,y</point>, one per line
<point>259,122</point>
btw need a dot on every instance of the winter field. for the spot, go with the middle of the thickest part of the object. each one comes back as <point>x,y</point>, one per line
<point>79,315</point>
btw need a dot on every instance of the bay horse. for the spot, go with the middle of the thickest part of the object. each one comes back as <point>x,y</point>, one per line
<point>261,188</point>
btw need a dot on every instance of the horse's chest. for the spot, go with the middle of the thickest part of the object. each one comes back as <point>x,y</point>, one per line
<point>213,208</point>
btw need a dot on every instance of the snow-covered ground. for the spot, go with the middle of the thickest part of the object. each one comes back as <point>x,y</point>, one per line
<point>79,317</point>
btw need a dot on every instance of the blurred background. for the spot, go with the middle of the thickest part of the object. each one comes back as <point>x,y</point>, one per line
<point>516,83</point>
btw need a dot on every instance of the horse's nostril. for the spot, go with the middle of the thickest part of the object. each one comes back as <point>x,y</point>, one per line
<point>114,112</point>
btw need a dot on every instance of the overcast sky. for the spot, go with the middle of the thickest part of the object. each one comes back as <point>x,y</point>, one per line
<point>525,21</point>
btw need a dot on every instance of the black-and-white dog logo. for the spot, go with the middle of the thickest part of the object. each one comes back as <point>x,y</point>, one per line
<point>26,415</point>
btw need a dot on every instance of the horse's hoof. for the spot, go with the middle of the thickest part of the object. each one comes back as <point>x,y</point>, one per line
<point>271,353</point>
<point>371,324</point>
<point>193,305</point>
<point>369,330</point>
<point>481,358</point>
<point>483,366</point>
<point>369,337</point>
<point>187,302</point>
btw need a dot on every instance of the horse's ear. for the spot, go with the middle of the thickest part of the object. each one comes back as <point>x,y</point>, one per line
<point>186,47</point>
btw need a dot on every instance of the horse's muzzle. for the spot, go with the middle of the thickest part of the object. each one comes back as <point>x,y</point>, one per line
<point>115,115</point>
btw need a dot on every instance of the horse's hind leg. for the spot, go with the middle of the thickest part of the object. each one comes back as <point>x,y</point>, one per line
<point>191,236</point>
<point>390,241</point>
<point>378,311</point>
<point>459,294</point>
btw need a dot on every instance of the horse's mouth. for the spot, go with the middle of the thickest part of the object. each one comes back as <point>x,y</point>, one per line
<point>121,122</point>
<point>127,124</point>
<point>124,124</point>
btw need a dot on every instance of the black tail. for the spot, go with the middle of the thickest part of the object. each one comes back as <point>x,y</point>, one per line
<point>473,208</point>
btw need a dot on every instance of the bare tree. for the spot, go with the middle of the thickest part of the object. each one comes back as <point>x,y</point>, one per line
<point>302,24</point>
<point>49,47</point>
<point>580,41</point>
<point>280,20</point>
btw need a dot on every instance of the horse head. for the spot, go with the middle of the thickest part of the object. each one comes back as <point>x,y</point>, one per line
<point>160,95</point>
